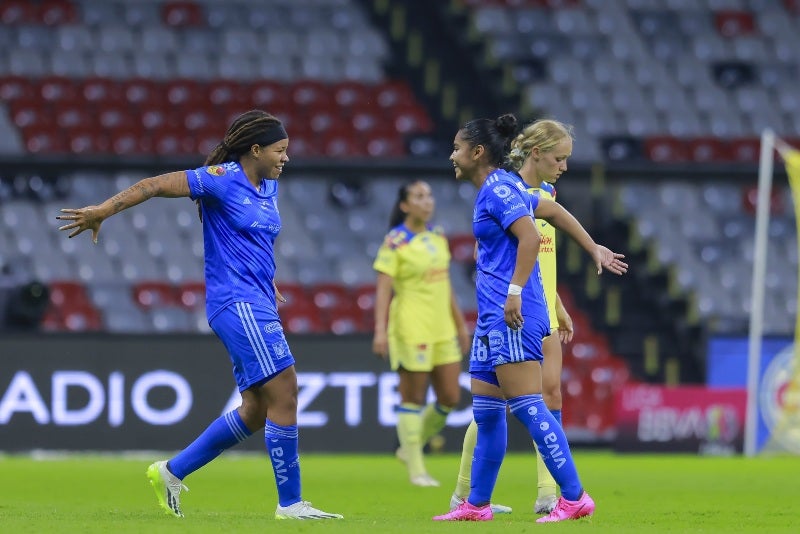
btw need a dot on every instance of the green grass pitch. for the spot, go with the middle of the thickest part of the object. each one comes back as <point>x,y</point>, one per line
<point>236,493</point>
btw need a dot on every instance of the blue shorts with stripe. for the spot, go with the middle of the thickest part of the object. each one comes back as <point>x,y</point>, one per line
<point>255,343</point>
<point>502,345</point>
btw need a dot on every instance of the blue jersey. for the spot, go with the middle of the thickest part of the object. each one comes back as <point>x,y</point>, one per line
<point>240,225</point>
<point>501,200</point>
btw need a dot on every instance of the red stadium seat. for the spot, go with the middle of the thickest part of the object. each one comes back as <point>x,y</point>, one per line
<point>173,141</point>
<point>87,140</point>
<point>101,90</point>
<point>44,139</point>
<point>746,149</point>
<point>59,89</point>
<point>462,248</point>
<point>412,119</point>
<point>182,14</point>
<point>111,115</point>
<point>268,95</point>
<point>385,146</point>
<point>332,297</point>
<point>73,115</point>
<point>352,94</point>
<point>666,150</point>
<point>65,293</point>
<point>154,294</point>
<point>18,12</point>
<point>394,94</point>
<point>56,12</point>
<point>734,23</point>
<point>225,93</point>
<point>792,6</point>
<point>192,295</point>
<point>143,92</point>
<point>343,144</point>
<point>126,141</point>
<point>83,319</point>
<point>471,319</point>
<point>302,321</point>
<point>347,321</point>
<point>296,296</point>
<point>14,88</point>
<point>310,93</point>
<point>185,92</point>
<point>709,149</point>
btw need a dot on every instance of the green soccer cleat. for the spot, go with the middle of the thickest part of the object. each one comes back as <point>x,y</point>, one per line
<point>167,487</point>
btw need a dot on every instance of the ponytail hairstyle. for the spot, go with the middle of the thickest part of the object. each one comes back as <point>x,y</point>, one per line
<point>493,134</point>
<point>398,216</point>
<point>544,133</point>
<point>254,127</point>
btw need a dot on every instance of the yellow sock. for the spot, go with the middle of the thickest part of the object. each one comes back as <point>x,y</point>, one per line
<point>465,470</point>
<point>409,432</point>
<point>546,484</point>
<point>434,417</point>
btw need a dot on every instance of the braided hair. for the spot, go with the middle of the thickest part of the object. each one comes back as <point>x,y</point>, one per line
<point>245,131</point>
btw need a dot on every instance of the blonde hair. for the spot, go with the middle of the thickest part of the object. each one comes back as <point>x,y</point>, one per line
<point>544,133</point>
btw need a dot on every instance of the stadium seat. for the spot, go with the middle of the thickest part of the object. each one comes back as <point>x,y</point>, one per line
<point>462,248</point>
<point>154,294</point>
<point>302,321</point>
<point>709,149</point>
<point>192,295</point>
<point>666,149</point>
<point>730,23</point>
<point>180,14</point>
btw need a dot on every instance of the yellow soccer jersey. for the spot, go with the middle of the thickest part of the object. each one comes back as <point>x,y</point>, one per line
<point>547,252</point>
<point>419,265</point>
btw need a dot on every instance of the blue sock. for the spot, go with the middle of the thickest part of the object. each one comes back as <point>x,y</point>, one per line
<point>557,417</point>
<point>282,448</point>
<point>490,448</point>
<point>223,433</point>
<point>551,442</point>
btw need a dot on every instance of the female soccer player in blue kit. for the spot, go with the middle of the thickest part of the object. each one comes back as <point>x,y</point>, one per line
<point>236,196</point>
<point>512,322</point>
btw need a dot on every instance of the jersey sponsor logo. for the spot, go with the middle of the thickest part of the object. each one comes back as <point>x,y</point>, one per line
<point>274,326</point>
<point>215,170</point>
<point>496,340</point>
<point>246,200</point>
<point>502,191</point>
<point>514,207</point>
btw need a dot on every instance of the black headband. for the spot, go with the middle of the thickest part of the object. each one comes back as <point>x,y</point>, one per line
<point>272,134</point>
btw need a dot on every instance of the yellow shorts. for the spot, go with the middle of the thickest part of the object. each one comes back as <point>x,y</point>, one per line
<point>424,357</point>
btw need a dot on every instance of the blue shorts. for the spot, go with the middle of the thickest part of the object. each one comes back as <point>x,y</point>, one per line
<point>502,345</point>
<point>255,343</point>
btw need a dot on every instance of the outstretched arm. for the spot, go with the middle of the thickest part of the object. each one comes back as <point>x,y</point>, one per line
<point>169,185</point>
<point>558,216</point>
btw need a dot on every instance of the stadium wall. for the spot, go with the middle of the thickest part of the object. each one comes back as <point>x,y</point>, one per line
<point>128,393</point>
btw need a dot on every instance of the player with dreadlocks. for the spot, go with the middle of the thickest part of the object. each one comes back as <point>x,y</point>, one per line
<point>236,196</point>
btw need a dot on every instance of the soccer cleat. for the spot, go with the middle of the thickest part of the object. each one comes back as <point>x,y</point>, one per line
<point>455,502</point>
<point>467,512</point>
<point>565,509</point>
<point>167,487</point>
<point>425,481</point>
<point>303,510</point>
<point>545,504</point>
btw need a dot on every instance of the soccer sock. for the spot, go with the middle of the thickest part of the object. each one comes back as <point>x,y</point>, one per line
<point>465,469</point>
<point>223,433</point>
<point>490,447</point>
<point>434,417</point>
<point>546,484</point>
<point>550,441</point>
<point>282,448</point>
<point>409,432</point>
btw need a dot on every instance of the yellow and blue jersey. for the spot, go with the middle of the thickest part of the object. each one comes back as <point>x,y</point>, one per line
<point>547,252</point>
<point>419,265</point>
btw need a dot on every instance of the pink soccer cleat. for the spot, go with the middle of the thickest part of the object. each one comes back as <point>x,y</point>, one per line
<point>565,509</point>
<point>467,512</point>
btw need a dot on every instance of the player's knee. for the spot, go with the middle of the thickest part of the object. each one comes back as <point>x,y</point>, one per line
<point>552,398</point>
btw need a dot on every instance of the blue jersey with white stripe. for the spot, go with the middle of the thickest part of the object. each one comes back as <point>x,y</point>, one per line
<point>502,199</point>
<point>240,225</point>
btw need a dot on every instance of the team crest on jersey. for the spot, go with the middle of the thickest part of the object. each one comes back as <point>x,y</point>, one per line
<point>496,340</point>
<point>502,191</point>
<point>215,170</point>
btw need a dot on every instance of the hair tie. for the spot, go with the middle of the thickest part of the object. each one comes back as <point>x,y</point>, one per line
<point>516,153</point>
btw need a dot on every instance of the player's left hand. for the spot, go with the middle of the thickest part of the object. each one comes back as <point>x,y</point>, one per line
<point>278,296</point>
<point>565,327</point>
<point>608,260</point>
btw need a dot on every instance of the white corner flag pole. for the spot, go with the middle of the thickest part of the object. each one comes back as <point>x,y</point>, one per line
<point>757,300</point>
